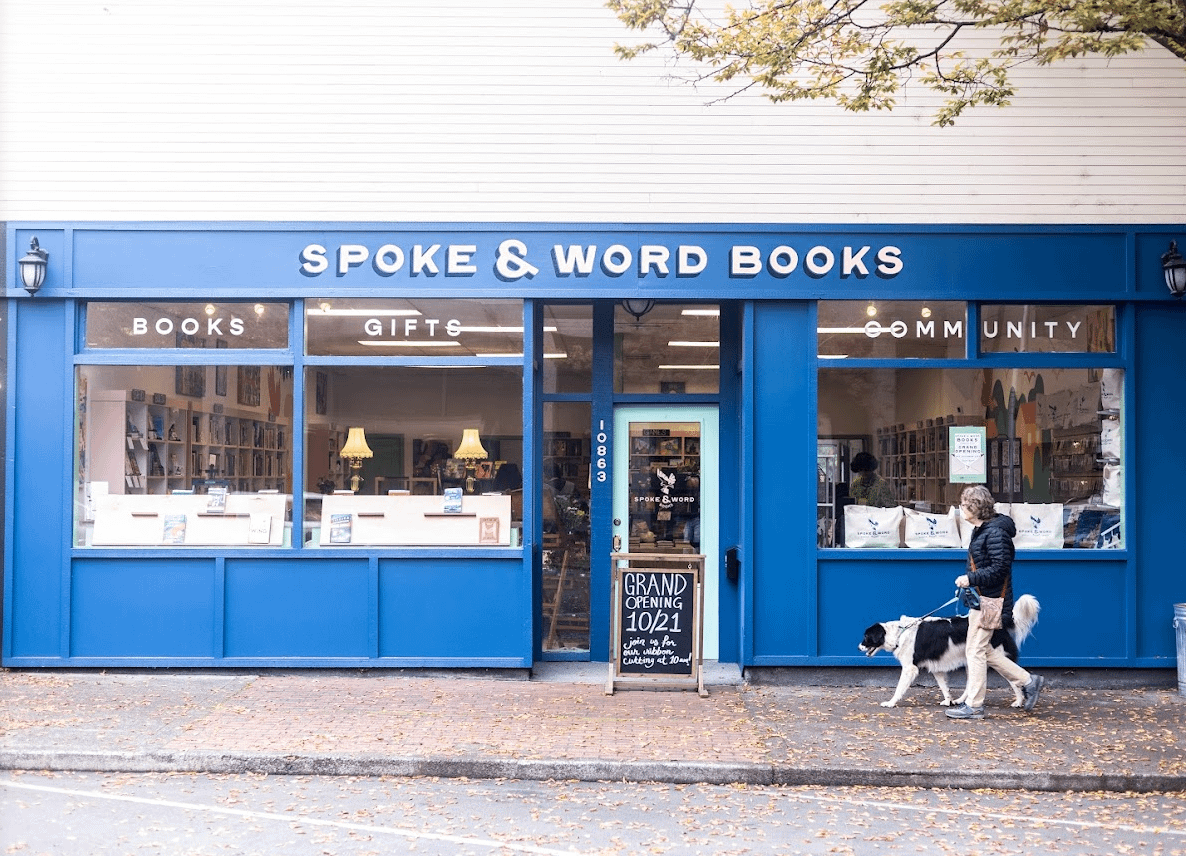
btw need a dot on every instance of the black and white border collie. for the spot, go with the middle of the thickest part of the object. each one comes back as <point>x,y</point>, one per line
<point>938,644</point>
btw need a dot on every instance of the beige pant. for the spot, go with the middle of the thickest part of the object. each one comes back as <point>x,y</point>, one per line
<point>981,655</point>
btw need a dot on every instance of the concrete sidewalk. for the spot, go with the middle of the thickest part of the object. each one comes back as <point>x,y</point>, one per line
<point>560,724</point>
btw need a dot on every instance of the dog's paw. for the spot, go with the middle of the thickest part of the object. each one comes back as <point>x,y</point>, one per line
<point>890,703</point>
<point>1017,703</point>
<point>946,702</point>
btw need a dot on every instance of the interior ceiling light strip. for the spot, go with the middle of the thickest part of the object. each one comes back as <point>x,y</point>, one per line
<point>404,343</point>
<point>363,313</point>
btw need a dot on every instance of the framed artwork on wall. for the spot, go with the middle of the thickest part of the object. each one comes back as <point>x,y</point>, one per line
<point>191,381</point>
<point>322,394</point>
<point>220,372</point>
<point>249,386</point>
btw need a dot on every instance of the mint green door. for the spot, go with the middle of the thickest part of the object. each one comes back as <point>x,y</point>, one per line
<point>666,490</point>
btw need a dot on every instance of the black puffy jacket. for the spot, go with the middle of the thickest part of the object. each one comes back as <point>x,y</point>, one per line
<point>991,549</point>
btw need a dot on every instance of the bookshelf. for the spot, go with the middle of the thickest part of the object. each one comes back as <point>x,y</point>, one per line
<point>914,459</point>
<point>571,456</point>
<point>676,450</point>
<point>1076,466</point>
<point>163,444</point>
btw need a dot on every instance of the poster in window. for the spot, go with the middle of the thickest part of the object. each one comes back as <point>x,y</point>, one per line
<point>968,454</point>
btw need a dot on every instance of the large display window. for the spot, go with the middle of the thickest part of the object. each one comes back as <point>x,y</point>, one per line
<point>411,446</point>
<point>183,454</point>
<point>414,455</point>
<point>421,442</point>
<point>898,445</point>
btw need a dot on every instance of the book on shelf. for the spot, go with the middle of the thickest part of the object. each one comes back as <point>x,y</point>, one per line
<point>155,467</point>
<point>174,532</point>
<point>340,528</point>
<point>452,500</point>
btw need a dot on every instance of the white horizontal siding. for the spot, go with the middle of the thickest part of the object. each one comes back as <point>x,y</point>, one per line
<point>395,110</point>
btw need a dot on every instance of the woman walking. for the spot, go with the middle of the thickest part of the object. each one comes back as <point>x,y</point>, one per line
<point>990,571</point>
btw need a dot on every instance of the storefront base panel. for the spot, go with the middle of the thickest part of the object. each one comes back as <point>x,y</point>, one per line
<point>857,591</point>
<point>285,612</point>
<point>143,608</point>
<point>883,671</point>
<point>515,664</point>
<point>297,608</point>
<point>432,609</point>
<point>885,661</point>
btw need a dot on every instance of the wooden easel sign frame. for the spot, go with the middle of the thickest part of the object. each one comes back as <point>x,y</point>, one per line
<point>657,622</point>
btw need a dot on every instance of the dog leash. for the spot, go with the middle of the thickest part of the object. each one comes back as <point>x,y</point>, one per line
<point>918,620</point>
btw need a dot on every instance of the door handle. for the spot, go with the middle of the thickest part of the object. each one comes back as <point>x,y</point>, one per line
<point>617,543</point>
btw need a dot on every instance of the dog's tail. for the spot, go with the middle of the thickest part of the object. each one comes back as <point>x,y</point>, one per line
<point>1025,616</point>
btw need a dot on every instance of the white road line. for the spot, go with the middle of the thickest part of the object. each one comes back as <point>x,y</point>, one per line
<point>289,818</point>
<point>988,815</point>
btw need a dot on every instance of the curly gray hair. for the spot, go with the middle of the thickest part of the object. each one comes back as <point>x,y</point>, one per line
<point>978,501</point>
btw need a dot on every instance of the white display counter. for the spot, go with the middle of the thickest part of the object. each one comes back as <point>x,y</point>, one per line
<point>187,520</point>
<point>409,520</point>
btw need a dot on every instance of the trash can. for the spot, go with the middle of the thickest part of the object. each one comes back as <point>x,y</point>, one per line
<point>1180,627</point>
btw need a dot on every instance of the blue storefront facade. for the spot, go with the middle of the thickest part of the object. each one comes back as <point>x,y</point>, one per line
<point>223,354</point>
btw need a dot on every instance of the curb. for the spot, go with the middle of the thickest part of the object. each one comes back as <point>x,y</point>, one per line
<point>584,770</point>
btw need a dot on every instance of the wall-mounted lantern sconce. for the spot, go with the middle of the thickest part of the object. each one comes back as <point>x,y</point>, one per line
<point>638,307</point>
<point>33,267</point>
<point>1174,267</point>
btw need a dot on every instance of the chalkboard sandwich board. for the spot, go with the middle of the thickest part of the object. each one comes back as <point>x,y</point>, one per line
<point>657,621</point>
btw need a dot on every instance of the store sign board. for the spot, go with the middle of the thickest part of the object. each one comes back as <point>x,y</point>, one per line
<point>515,259</point>
<point>579,260</point>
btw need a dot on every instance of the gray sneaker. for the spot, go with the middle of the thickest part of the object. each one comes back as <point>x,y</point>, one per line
<point>965,712</point>
<point>1029,693</point>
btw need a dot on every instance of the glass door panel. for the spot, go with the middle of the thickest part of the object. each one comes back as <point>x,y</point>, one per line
<point>565,519</point>
<point>666,490</point>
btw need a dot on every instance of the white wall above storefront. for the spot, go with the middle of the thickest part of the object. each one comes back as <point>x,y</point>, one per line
<point>472,110</point>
